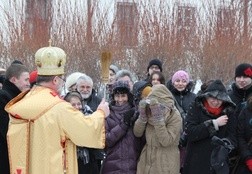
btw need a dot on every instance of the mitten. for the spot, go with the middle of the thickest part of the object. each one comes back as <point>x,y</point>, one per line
<point>142,111</point>
<point>127,116</point>
<point>249,164</point>
<point>156,112</point>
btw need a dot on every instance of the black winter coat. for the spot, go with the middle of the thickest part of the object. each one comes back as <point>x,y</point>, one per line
<point>183,98</point>
<point>199,134</point>
<point>244,136</point>
<point>8,92</point>
<point>239,95</point>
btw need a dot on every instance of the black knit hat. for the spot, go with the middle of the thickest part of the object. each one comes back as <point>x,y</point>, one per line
<point>155,62</point>
<point>243,69</point>
<point>217,90</point>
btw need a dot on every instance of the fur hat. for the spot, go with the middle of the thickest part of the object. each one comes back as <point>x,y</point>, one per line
<point>72,79</point>
<point>217,90</point>
<point>114,68</point>
<point>243,69</point>
<point>155,62</point>
<point>33,77</point>
<point>50,61</point>
<point>120,87</point>
<point>182,75</point>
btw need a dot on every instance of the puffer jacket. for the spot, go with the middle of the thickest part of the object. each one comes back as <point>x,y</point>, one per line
<point>122,147</point>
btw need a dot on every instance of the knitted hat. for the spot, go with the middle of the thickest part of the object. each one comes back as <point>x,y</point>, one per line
<point>33,77</point>
<point>217,90</point>
<point>114,68</point>
<point>243,69</point>
<point>72,79</point>
<point>17,62</point>
<point>182,75</point>
<point>155,62</point>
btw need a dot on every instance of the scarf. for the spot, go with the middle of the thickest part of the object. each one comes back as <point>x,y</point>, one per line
<point>214,111</point>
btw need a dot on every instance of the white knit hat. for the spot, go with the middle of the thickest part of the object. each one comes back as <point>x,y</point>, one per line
<point>72,79</point>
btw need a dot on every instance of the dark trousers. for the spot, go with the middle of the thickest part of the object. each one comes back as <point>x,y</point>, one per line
<point>90,168</point>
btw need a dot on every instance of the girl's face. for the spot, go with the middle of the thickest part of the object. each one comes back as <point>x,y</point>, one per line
<point>214,102</point>
<point>76,103</point>
<point>120,99</point>
<point>155,79</point>
<point>243,82</point>
<point>180,84</point>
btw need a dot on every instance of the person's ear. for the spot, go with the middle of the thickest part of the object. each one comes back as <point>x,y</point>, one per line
<point>13,80</point>
<point>54,80</point>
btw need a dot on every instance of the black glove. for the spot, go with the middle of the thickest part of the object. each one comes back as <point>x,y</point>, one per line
<point>127,116</point>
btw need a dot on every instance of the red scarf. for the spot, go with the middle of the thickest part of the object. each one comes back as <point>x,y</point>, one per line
<point>214,111</point>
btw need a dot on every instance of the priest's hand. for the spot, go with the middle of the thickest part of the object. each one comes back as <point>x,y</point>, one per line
<point>104,107</point>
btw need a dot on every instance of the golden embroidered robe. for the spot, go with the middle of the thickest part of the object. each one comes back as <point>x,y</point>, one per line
<point>42,125</point>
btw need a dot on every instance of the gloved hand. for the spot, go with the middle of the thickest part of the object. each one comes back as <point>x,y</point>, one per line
<point>127,116</point>
<point>142,111</point>
<point>249,164</point>
<point>156,112</point>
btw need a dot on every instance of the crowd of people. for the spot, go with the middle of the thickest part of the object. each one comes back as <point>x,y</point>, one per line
<point>149,126</point>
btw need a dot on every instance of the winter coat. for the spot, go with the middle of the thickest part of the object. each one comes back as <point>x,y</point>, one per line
<point>160,154</point>
<point>200,129</point>
<point>42,125</point>
<point>239,95</point>
<point>8,92</point>
<point>183,98</point>
<point>122,147</point>
<point>244,136</point>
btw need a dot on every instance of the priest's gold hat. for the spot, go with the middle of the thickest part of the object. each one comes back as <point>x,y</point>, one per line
<point>50,60</point>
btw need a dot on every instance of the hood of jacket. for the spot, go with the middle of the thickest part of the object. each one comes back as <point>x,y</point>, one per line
<point>162,94</point>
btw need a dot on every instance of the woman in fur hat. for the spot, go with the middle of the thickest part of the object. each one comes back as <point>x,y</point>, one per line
<point>122,147</point>
<point>245,138</point>
<point>210,115</point>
